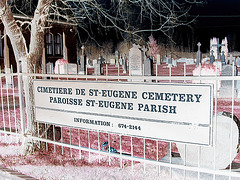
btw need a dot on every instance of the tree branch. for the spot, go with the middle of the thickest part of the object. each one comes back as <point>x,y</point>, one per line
<point>13,31</point>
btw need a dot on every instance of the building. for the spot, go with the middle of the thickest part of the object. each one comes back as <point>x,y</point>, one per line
<point>60,42</point>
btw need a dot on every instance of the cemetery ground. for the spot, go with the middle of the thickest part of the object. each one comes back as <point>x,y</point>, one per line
<point>58,162</point>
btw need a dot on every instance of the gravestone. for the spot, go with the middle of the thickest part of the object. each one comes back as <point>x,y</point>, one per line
<point>225,142</point>
<point>94,62</point>
<point>212,57</point>
<point>238,81</point>
<point>50,69</point>
<point>158,59</point>
<point>225,47</point>
<point>213,48</point>
<point>165,57</point>
<point>226,85</point>
<point>69,68</point>
<point>218,64</point>
<point>199,55</point>
<point>9,78</point>
<point>144,50</point>
<point>223,61</point>
<point>89,63</point>
<point>64,69</point>
<point>231,59</point>
<point>148,62</point>
<point>78,61</point>
<point>124,64</point>
<point>100,60</point>
<point>208,69</point>
<point>60,66</point>
<point>228,70</point>
<point>82,68</point>
<point>234,61</point>
<point>116,58</point>
<point>218,45</point>
<point>169,61</point>
<point>97,69</point>
<point>148,67</point>
<point>121,61</point>
<point>112,61</point>
<point>174,63</point>
<point>135,61</point>
<point>237,62</point>
<point>72,68</point>
<point>185,60</point>
<point>98,66</point>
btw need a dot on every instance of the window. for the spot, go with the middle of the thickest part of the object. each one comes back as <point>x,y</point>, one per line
<point>54,44</point>
<point>58,44</point>
<point>49,44</point>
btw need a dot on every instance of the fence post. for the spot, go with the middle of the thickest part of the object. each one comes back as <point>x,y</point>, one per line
<point>21,96</point>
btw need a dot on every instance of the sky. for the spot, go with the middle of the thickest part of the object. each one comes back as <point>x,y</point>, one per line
<point>217,18</point>
<point>222,13</point>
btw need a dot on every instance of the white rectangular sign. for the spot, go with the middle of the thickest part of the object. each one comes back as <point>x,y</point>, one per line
<point>171,112</point>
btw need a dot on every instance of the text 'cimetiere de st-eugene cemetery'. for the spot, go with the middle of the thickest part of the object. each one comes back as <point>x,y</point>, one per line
<point>108,95</point>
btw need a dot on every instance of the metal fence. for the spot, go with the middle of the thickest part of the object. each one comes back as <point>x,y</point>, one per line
<point>120,150</point>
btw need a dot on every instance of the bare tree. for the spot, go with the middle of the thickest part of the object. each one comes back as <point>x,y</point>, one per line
<point>27,57</point>
<point>130,17</point>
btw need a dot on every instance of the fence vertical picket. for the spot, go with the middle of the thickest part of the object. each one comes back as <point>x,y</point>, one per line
<point>99,160</point>
<point>184,72</point>
<point>79,143</point>
<point>121,159</point>
<point>232,111</point>
<point>215,125</point>
<point>109,148</point>
<point>21,100</point>
<point>54,138</point>
<point>157,159</point>
<point>14,104</point>
<point>144,155</point>
<point>132,152</point>
<point>70,138</point>
<point>89,147</point>
<point>2,101</point>
<point>46,136</point>
<point>8,106</point>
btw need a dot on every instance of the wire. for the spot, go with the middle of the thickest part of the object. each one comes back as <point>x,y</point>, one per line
<point>215,16</point>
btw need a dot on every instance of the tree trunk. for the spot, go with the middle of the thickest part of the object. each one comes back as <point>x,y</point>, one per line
<point>34,57</point>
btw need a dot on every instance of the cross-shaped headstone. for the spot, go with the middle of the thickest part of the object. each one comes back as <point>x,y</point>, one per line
<point>218,46</point>
<point>144,50</point>
<point>116,55</point>
<point>223,58</point>
<point>116,58</point>
<point>82,50</point>
<point>199,45</point>
<point>199,55</point>
<point>169,61</point>
<point>124,63</point>
<point>212,58</point>
<point>82,62</point>
<point>238,62</point>
<point>165,57</point>
<point>99,61</point>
